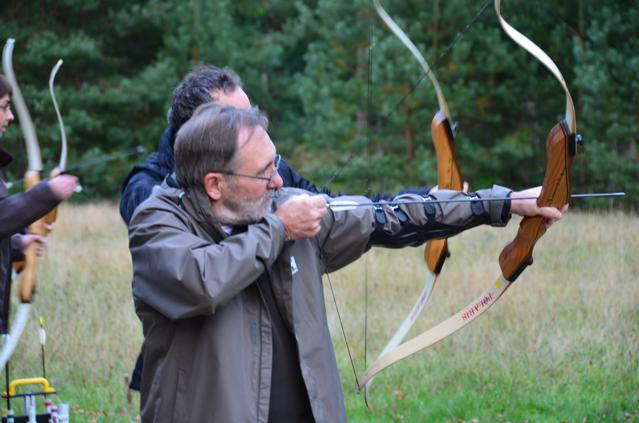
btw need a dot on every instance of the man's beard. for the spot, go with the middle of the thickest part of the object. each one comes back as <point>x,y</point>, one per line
<point>245,211</point>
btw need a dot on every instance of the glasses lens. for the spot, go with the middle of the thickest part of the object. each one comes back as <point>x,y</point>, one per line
<point>276,167</point>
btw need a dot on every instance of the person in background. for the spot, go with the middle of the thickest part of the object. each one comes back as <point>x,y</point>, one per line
<point>20,210</point>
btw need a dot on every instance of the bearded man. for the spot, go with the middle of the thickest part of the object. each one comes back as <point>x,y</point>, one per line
<point>227,270</point>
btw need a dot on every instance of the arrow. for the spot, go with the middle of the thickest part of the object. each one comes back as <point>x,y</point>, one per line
<point>346,205</point>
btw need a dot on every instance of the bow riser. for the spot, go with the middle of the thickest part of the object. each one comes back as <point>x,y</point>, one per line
<point>28,274</point>
<point>31,178</point>
<point>50,218</point>
<point>448,177</point>
<point>435,255</point>
<point>560,149</point>
<point>448,173</point>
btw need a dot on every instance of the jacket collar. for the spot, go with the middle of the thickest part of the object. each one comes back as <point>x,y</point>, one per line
<point>165,150</point>
<point>197,204</point>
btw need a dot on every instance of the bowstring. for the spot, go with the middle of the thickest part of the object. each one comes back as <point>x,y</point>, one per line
<point>369,108</point>
<point>368,132</point>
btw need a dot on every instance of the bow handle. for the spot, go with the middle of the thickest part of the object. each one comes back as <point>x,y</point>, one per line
<point>28,276</point>
<point>448,177</point>
<point>555,192</point>
<point>50,218</point>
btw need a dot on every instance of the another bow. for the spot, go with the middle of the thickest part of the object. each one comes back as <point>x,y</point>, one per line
<point>448,177</point>
<point>51,217</point>
<point>516,256</point>
<point>31,178</point>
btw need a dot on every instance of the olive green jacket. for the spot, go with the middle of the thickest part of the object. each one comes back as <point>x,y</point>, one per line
<point>207,334</point>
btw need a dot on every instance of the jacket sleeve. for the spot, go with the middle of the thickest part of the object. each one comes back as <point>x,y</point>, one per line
<point>443,220</point>
<point>20,210</point>
<point>382,238</point>
<point>16,248</point>
<point>347,234</point>
<point>182,275</point>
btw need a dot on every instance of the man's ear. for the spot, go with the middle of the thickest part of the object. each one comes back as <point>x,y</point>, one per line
<point>212,182</point>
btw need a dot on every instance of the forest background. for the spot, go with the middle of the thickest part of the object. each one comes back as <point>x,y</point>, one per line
<point>340,90</point>
<point>343,98</point>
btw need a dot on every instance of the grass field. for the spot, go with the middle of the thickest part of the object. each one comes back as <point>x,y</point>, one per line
<point>561,345</point>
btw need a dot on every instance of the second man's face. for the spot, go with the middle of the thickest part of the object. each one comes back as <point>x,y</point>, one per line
<point>236,98</point>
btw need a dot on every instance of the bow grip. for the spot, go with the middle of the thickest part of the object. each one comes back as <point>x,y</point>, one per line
<point>448,177</point>
<point>28,281</point>
<point>50,218</point>
<point>555,192</point>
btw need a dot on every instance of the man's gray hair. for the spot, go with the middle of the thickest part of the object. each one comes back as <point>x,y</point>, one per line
<point>208,141</point>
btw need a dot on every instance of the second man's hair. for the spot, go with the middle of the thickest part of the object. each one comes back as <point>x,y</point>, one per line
<point>196,89</point>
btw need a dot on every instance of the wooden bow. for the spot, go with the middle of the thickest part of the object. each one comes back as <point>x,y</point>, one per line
<point>448,177</point>
<point>517,255</point>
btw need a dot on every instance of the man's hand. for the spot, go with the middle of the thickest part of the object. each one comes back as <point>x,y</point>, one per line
<point>530,208</point>
<point>302,216</point>
<point>63,186</point>
<point>26,240</point>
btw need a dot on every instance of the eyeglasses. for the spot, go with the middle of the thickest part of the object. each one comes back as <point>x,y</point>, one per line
<point>269,179</point>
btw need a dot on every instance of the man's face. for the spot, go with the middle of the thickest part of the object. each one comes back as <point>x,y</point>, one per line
<point>236,98</point>
<point>249,199</point>
<point>6,116</point>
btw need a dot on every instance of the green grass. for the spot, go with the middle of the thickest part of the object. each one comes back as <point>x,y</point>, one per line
<point>561,345</point>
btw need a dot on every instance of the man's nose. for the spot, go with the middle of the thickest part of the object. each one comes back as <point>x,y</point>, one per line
<point>277,181</point>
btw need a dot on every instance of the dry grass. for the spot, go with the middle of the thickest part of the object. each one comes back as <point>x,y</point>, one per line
<point>576,308</point>
<point>586,265</point>
<point>84,294</point>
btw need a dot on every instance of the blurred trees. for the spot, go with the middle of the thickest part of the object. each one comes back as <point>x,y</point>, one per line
<point>339,88</point>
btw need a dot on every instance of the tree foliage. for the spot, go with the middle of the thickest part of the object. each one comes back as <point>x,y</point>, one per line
<point>340,90</point>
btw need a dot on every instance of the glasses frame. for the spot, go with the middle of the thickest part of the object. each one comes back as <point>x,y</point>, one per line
<point>276,168</point>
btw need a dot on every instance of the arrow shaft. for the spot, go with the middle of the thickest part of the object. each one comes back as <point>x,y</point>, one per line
<point>348,205</point>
